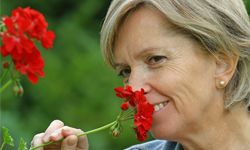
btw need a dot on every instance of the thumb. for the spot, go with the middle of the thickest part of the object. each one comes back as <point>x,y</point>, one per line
<point>70,143</point>
<point>83,143</point>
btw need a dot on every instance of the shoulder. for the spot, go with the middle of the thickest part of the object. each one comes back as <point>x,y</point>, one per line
<point>157,145</point>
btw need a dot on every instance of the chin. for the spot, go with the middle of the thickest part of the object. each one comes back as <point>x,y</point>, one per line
<point>165,131</point>
<point>162,134</point>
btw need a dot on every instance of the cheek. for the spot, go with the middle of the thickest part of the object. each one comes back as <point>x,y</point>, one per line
<point>167,82</point>
<point>186,88</point>
<point>186,78</point>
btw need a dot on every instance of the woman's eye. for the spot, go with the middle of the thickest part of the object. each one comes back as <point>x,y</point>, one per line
<point>124,73</point>
<point>156,59</point>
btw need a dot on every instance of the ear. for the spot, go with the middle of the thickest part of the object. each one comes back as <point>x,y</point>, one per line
<point>225,69</point>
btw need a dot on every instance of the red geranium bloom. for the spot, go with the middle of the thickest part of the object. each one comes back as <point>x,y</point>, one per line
<point>143,121</point>
<point>143,118</point>
<point>16,45</point>
<point>127,94</point>
<point>124,93</point>
<point>143,110</point>
<point>31,65</point>
<point>47,39</point>
<point>22,28</point>
<point>141,134</point>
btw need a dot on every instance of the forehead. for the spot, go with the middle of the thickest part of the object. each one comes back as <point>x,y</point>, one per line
<point>147,28</point>
<point>141,28</point>
<point>143,16</point>
<point>141,22</point>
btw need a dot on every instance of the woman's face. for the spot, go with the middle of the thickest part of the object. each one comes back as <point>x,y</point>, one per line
<point>177,76</point>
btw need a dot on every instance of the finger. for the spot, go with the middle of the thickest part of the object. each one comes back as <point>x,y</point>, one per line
<point>69,143</point>
<point>63,132</point>
<point>37,140</point>
<point>66,131</point>
<point>54,125</point>
<point>82,143</point>
<point>56,135</point>
<point>53,146</point>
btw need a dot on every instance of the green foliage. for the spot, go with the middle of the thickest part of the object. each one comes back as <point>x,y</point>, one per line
<point>7,139</point>
<point>247,3</point>
<point>22,145</point>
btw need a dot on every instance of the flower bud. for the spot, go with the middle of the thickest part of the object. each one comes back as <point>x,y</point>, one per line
<point>116,129</point>
<point>124,106</point>
<point>6,65</point>
<point>18,90</point>
<point>116,132</point>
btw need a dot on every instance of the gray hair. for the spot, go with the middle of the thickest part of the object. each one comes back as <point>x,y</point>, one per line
<point>221,26</point>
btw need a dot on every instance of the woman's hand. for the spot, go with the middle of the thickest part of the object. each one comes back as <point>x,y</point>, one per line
<point>57,131</point>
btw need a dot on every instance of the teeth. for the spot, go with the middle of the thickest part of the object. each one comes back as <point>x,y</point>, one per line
<point>161,105</point>
<point>157,107</point>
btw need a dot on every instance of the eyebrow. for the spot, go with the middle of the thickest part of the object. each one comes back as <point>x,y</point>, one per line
<point>152,51</point>
<point>141,53</point>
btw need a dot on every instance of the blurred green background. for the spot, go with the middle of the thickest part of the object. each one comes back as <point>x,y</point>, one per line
<point>78,86</point>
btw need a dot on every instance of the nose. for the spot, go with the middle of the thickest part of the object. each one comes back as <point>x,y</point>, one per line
<point>138,80</point>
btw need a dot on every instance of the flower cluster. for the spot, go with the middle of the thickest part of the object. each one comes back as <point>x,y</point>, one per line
<point>20,30</point>
<point>143,110</point>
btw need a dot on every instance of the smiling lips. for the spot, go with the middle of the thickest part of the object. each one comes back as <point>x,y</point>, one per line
<point>159,106</point>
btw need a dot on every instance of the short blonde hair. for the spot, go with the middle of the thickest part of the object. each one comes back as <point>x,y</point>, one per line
<point>221,26</point>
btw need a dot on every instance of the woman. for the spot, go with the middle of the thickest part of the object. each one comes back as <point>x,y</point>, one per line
<point>192,58</point>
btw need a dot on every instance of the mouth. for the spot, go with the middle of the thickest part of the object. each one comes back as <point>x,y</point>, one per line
<point>160,105</point>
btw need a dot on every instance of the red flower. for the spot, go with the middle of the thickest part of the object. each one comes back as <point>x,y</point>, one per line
<point>143,120</point>
<point>127,94</point>
<point>143,117</point>
<point>6,65</point>
<point>47,39</point>
<point>16,46</point>
<point>31,64</point>
<point>22,28</point>
<point>141,134</point>
<point>124,93</point>
<point>125,106</point>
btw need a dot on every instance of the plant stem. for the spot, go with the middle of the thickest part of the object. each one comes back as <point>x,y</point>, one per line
<point>2,145</point>
<point>128,118</point>
<point>85,133</point>
<point>5,73</point>
<point>98,129</point>
<point>5,85</point>
<point>128,113</point>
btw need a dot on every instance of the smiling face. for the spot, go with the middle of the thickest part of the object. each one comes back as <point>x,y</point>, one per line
<point>177,75</point>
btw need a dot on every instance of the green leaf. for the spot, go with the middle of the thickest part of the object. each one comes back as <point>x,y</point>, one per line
<point>22,145</point>
<point>6,137</point>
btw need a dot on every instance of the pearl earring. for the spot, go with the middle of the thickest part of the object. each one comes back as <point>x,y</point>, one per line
<point>222,83</point>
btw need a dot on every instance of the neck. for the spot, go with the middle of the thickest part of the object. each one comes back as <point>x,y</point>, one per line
<point>229,131</point>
